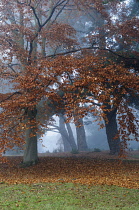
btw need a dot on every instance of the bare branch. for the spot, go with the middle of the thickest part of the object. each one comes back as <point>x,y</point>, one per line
<point>36,16</point>
<point>10,96</point>
<point>11,67</point>
<point>61,10</point>
<point>52,12</point>
<point>90,48</point>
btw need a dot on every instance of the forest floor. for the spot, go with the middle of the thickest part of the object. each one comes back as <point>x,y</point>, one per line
<point>91,168</point>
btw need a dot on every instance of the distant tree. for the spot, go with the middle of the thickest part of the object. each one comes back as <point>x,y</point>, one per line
<point>81,135</point>
<point>66,134</point>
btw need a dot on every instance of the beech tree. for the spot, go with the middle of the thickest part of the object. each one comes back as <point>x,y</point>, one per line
<point>121,46</point>
<point>92,78</point>
<point>31,37</point>
<point>41,54</point>
<point>117,40</point>
<point>29,33</point>
<point>113,40</point>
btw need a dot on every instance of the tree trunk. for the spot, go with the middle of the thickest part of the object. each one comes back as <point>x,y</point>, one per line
<point>30,151</point>
<point>67,135</point>
<point>64,135</point>
<point>111,132</point>
<point>71,137</point>
<point>81,137</point>
<point>67,147</point>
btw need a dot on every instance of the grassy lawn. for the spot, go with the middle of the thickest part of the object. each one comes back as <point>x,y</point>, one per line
<point>67,196</point>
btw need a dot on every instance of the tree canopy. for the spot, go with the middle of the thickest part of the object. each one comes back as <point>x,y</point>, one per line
<point>46,55</point>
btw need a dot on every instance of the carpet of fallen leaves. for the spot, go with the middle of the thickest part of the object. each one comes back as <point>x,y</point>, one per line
<point>85,168</point>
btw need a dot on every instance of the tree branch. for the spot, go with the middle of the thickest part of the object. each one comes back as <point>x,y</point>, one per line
<point>10,96</point>
<point>11,67</point>
<point>61,10</point>
<point>36,16</point>
<point>52,12</point>
<point>90,48</point>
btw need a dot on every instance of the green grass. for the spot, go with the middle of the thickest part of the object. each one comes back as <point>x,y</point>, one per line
<point>67,196</point>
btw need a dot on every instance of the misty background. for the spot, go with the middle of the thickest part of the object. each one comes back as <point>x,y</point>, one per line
<point>96,138</point>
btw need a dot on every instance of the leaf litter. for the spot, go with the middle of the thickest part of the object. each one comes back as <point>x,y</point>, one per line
<point>72,169</point>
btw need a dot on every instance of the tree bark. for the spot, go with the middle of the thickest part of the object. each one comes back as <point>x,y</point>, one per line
<point>30,152</point>
<point>111,132</point>
<point>64,135</point>
<point>67,147</point>
<point>71,137</point>
<point>81,137</point>
<point>67,135</point>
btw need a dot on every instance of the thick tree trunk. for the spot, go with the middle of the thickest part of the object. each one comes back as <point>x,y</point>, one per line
<point>111,132</point>
<point>81,137</point>
<point>30,152</point>
<point>68,136</point>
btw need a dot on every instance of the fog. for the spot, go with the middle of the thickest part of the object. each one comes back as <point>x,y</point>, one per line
<point>96,138</point>
<point>49,142</point>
